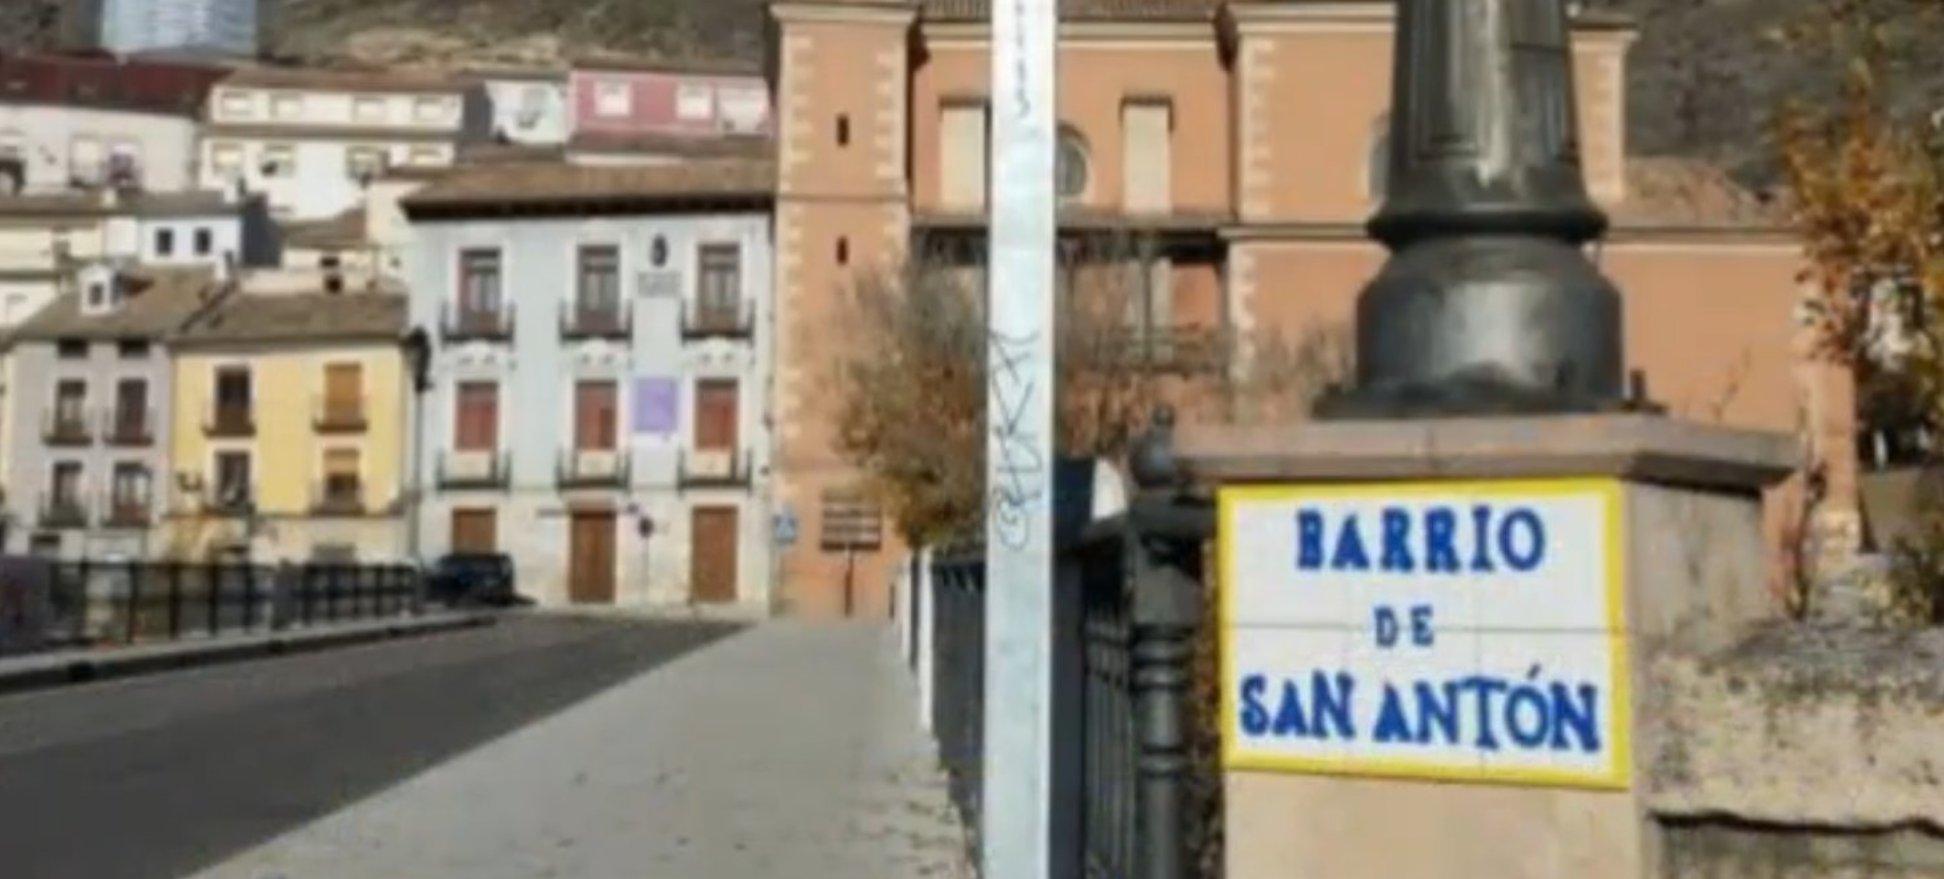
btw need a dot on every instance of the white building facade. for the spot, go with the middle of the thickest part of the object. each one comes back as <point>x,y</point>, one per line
<point>69,123</point>
<point>43,238</point>
<point>314,140</point>
<point>600,393</point>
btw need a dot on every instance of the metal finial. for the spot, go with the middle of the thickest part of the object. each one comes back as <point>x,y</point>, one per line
<point>1153,463</point>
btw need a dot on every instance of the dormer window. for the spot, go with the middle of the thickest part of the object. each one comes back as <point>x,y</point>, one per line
<point>100,292</point>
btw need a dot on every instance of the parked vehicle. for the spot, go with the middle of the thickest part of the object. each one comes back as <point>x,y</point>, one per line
<point>473,579</point>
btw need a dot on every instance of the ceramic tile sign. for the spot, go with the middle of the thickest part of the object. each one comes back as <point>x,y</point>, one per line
<point>657,402</point>
<point>1457,631</point>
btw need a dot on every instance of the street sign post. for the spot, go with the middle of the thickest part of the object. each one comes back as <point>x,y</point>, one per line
<point>1019,451</point>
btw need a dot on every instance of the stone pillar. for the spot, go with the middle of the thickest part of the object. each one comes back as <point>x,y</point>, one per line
<point>1690,556</point>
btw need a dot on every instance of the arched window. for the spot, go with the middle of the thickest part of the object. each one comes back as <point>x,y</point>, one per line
<point>1377,173</point>
<point>1071,164</point>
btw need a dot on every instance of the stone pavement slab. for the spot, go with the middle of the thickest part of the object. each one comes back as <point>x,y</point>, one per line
<point>789,750</point>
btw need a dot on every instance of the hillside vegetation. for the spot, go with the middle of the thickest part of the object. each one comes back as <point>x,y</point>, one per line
<point>1706,75</point>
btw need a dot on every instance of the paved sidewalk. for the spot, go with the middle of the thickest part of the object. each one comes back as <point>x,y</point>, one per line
<point>789,750</point>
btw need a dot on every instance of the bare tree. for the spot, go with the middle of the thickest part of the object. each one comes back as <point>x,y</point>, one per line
<point>910,374</point>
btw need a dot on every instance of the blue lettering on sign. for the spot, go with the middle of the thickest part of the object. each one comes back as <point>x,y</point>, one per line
<point>1407,541</point>
<point>1484,712</point>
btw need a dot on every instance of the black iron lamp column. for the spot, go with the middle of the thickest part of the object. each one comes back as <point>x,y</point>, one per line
<point>1487,304</point>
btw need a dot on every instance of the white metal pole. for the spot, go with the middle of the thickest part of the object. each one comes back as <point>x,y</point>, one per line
<point>1019,452</point>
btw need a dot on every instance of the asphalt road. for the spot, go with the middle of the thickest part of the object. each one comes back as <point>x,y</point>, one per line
<point>162,775</point>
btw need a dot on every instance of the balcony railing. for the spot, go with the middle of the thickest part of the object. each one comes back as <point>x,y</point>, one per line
<point>473,469</point>
<point>230,420</point>
<point>127,512</point>
<point>589,321</point>
<point>338,499</point>
<point>63,512</point>
<point>463,323</point>
<point>592,468</point>
<point>339,414</point>
<point>1183,350</point>
<point>703,321</point>
<point>66,429</point>
<point>225,500</point>
<point>713,468</point>
<point>131,427</point>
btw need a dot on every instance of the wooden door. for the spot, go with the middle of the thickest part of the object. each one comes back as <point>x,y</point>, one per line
<point>476,424</point>
<point>716,415</point>
<point>595,404</point>
<point>343,391</point>
<point>712,555</point>
<point>474,531</point>
<point>590,558</point>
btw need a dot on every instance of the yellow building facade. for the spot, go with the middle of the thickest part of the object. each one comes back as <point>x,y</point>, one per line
<point>289,423</point>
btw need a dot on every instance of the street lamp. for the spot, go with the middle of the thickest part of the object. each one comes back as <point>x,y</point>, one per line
<point>1488,305</point>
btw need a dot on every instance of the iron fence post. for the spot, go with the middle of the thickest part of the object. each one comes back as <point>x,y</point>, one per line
<point>1166,531</point>
<point>213,578</point>
<point>175,600</point>
<point>134,602</point>
<point>1166,612</point>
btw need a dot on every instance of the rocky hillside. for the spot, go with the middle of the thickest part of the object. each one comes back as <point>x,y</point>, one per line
<point>1706,74</point>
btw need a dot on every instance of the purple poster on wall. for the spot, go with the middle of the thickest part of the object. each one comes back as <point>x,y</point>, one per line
<point>657,405</point>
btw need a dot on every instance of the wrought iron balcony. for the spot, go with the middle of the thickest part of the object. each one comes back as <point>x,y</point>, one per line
<point>713,468</point>
<point>338,498</point>
<point>580,320</point>
<point>230,420</point>
<point>462,469</point>
<point>63,512</point>
<point>592,468</point>
<point>719,322</point>
<point>464,323</point>
<point>127,512</point>
<point>66,428</point>
<point>339,415</point>
<point>224,500</point>
<point>131,428</point>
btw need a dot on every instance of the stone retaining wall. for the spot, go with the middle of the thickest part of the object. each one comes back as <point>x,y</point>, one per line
<point>1799,752</point>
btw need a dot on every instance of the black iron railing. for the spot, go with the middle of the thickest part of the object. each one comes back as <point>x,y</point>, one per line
<point>587,320</point>
<point>958,672</point>
<point>470,323</point>
<point>1127,615</point>
<point>86,603</point>
<point>713,468</point>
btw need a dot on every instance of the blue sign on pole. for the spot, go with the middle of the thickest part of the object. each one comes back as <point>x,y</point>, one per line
<point>785,526</point>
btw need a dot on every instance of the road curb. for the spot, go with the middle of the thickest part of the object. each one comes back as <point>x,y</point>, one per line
<point>37,672</point>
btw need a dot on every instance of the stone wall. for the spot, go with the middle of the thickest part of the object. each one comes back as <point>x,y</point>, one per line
<point>1799,752</point>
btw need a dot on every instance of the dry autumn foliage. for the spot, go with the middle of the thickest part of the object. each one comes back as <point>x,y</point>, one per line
<point>910,377</point>
<point>1866,185</point>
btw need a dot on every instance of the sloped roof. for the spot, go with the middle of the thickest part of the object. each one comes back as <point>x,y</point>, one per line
<point>747,146</point>
<point>347,80</point>
<point>160,301</point>
<point>190,203</point>
<point>556,186</point>
<point>332,233</point>
<point>303,317</point>
<point>143,86</point>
